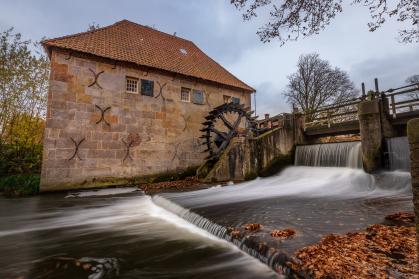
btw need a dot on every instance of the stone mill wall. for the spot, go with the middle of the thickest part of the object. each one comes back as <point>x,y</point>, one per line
<point>138,135</point>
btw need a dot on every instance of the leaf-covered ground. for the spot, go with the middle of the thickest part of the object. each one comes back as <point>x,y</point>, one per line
<point>380,251</point>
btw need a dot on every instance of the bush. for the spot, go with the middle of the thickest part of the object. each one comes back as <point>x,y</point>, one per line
<point>20,185</point>
<point>20,159</point>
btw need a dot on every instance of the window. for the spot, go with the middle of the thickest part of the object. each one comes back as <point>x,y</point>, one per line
<point>185,94</point>
<point>226,99</point>
<point>198,97</point>
<point>147,87</point>
<point>235,100</point>
<point>132,85</point>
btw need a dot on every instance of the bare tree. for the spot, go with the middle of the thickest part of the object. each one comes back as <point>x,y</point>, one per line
<point>290,19</point>
<point>316,84</point>
<point>414,80</point>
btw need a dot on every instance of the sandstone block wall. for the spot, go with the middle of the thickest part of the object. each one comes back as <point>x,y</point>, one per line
<point>162,132</point>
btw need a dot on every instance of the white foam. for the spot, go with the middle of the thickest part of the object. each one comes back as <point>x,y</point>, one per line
<point>303,182</point>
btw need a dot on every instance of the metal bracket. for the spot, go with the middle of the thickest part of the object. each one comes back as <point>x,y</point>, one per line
<point>76,150</point>
<point>96,77</point>
<point>175,155</point>
<point>102,116</point>
<point>128,146</point>
<point>161,87</point>
<point>186,119</point>
<point>207,98</point>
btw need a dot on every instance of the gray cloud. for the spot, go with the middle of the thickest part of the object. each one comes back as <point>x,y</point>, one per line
<point>217,28</point>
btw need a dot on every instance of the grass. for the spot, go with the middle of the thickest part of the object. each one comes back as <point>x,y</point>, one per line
<point>20,185</point>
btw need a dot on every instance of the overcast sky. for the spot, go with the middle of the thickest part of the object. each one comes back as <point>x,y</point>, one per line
<point>217,28</point>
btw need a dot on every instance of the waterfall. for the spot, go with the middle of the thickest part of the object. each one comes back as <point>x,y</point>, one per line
<point>342,154</point>
<point>275,260</point>
<point>398,153</point>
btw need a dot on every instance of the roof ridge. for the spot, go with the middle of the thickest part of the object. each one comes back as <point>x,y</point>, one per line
<point>109,26</point>
<point>157,30</point>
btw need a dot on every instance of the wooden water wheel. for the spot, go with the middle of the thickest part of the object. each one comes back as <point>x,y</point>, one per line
<point>224,123</point>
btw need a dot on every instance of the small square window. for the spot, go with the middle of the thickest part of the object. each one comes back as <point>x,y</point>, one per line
<point>132,85</point>
<point>198,97</point>
<point>147,87</point>
<point>226,99</point>
<point>235,100</point>
<point>185,94</point>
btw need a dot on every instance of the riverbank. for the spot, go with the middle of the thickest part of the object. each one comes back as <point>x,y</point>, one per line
<point>379,251</point>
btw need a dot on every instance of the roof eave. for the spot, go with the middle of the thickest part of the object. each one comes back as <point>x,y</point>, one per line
<point>48,48</point>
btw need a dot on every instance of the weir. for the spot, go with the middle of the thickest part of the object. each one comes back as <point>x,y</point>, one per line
<point>398,153</point>
<point>314,201</point>
<point>342,154</point>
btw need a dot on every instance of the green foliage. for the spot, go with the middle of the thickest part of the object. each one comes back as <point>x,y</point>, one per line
<point>173,176</point>
<point>20,185</point>
<point>20,159</point>
<point>24,73</point>
<point>276,165</point>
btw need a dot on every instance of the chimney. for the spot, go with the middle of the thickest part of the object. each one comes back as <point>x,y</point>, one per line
<point>266,116</point>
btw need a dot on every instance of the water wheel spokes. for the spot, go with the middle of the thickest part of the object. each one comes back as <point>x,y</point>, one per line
<point>223,124</point>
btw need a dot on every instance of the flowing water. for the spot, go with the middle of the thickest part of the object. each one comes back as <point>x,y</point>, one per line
<point>343,154</point>
<point>398,153</point>
<point>118,236</point>
<point>125,234</point>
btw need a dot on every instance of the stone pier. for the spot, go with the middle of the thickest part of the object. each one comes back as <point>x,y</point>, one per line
<point>371,134</point>
<point>413,136</point>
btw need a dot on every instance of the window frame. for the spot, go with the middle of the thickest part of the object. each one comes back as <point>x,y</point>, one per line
<point>233,100</point>
<point>134,79</point>
<point>193,96</point>
<point>141,87</point>
<point>188,90</point>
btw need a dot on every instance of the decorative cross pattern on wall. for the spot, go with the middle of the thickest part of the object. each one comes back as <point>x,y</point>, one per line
<point>161,87</point>
<point>186,119</point>
<point>207,94</point>
<point>76,148</point>
<point>132,140</point>
<point>102,116</point>
<point>96,77</point>
<point>175,153</point>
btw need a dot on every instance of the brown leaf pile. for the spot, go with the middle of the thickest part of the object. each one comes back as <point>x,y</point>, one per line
<point>178,184</point>
<point>252,227</point>
<point>403,216</point>
<point>379,252</point>
<point>283,233</point>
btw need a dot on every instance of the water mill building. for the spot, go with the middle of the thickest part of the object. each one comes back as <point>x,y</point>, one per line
<point>126,101</point>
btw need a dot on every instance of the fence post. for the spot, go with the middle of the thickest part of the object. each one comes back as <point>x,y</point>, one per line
<point>393,106</point>
<point>413,136</point>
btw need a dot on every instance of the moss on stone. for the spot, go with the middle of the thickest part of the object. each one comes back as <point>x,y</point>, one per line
<point>276,165</point>
<point>413,130</point>
<point>125,181</point>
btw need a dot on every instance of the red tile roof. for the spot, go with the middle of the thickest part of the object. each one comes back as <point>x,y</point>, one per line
<point>131,42</point>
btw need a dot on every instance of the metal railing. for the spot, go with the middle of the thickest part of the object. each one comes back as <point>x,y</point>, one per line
<point>403,99</point>
<point>333,114</point>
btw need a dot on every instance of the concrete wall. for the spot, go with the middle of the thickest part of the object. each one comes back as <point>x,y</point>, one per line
<point>247,158</point>
<point>413,136</point>
<point>168,130</point>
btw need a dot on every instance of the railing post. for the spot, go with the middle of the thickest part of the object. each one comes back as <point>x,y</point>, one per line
<point>393,106</point>
<point>363,90</point>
